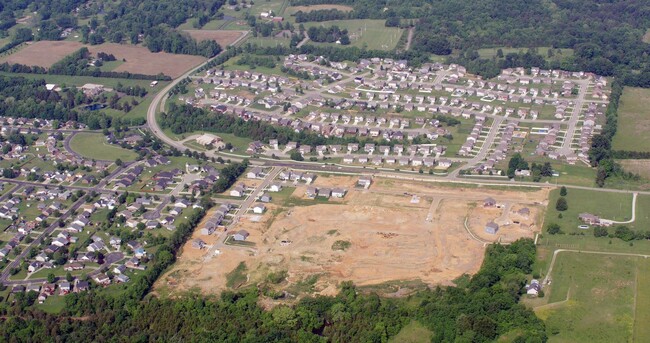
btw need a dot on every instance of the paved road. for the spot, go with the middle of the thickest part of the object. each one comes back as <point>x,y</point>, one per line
<point>634,195</point>
<point>243,209</point>
<point>485,148</point>
<point>573,121</point>
<point>159,100</point>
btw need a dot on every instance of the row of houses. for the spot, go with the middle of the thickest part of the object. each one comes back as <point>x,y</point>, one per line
<point>399,160</point>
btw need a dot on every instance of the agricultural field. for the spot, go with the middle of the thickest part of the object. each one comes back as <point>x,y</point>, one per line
<point>595,298</point>
<point>372,236</point>
<point>372,34</point>
<point>137,59</point>
<point>633,120</point>
<point>43,53</point>
<point>223,37</point>
<point>94,145</point>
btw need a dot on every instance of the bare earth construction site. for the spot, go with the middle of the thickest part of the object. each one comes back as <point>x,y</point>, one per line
<point>393,231</point>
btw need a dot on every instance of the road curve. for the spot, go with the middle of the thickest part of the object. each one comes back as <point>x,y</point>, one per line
<point>160,98</point>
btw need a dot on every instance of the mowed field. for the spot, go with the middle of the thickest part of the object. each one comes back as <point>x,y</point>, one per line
<point>633,120</point>
<point>94,145</point>
<point>597,298</point>
<point>372,237</point>
<point>368,32</point>
<point>138,59</point>
<point>613,206</point>
<point>223,37</point>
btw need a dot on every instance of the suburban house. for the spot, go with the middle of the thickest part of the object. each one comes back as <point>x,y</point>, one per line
<point>364,181</point>
<point>491,228</point>
<point>240,235</point>
<point>589,218</point>
<point>533,288</point>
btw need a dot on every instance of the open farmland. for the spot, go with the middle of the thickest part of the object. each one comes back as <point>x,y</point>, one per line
<point>139,60</point>
<point>633,120</point>
<point>223,37</point>
<point>142,61</point>
<point>42,53</point>
<point>373,236</point>
<point>372,34</point>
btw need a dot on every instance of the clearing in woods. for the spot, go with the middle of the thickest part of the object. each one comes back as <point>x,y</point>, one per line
<point>223,37</point>
<point>633,120</point>
<point>646,37</point>
<point>604,297</point>
<point>139,60</point>
<point>293,9</point>
<point>370,33</point>
<point>371,237</point>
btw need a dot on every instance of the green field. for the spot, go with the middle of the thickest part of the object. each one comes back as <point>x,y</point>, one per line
<point>110,66</point>
<point>82,80</point>
<point>268,42</point>
<point>633,120</point>
<point>372,34</point>
<point>601,294</point>
<point>414,332</point>
<point>93,145</point>
<point>492,52</point>
<point>613,206</point>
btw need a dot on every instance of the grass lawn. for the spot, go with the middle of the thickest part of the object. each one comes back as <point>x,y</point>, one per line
<point>368,32</point>
<point>93,145</point>
<point>231,65</point>
<point>614,206</point>
<point>110,66</point>
<point>414,332</point>
<point>601,298</point>
<point>266,42</point>
<point>642,305</point>
<point>53,304</point>
<point>633,120</point>
<point>82,80</point>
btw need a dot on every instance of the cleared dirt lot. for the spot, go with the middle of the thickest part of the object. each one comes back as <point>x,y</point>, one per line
<point>138,59</point>
<point>389,236</point>
<point>223,37</point>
